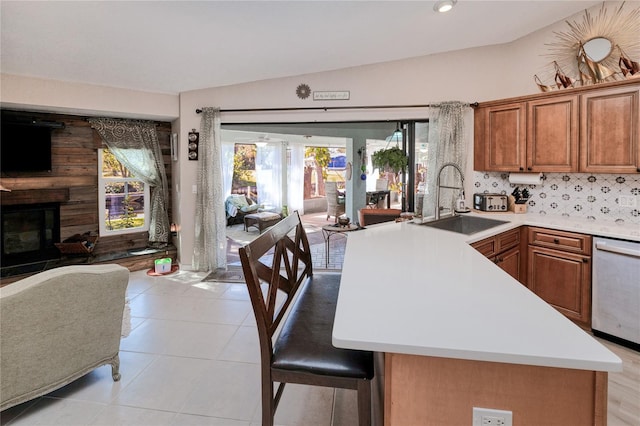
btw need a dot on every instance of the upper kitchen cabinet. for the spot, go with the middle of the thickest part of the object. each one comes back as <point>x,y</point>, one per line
<point>535,136</point>
<point>609,129</point>
<point>502,132</point>
<point>552,135</point>
<point>588,129</point>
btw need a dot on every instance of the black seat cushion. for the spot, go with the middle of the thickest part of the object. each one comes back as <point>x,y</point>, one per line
<point>304,343</point>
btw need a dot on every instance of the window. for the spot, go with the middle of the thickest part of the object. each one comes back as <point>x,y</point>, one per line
<point>123,199</point>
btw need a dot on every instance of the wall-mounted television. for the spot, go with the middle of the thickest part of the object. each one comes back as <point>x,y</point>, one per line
<point>25,147</point>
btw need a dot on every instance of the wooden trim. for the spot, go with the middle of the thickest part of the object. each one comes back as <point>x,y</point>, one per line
<point>600,398</point>
<point>563,92</point>
<point>35,196</point>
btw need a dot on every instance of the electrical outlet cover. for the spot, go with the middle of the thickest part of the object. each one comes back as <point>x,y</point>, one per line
<point>491,417</point>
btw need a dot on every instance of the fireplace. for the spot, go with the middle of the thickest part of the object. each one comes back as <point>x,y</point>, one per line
<point>29,232</point>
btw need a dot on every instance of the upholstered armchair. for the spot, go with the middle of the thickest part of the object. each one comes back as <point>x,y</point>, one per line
<point>238,206</point>
<point>335,202</point>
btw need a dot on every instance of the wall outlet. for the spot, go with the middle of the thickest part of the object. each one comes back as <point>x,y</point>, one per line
<point>627,201</point>
<point>491,417</point>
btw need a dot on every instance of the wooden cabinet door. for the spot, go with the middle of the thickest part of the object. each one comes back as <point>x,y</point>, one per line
<point>563,280</point>
<point>510,262</point>
<point>552,134</point>
<point>609,126</point>
<point>504,137</point>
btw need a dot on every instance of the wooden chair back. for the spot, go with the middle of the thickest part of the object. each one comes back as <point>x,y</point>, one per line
<point>282,262</point>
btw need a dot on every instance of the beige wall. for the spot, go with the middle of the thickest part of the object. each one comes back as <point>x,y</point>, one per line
<point>28,93</point>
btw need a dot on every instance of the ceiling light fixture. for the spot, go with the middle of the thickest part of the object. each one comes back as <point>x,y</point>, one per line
<point>444,5</point>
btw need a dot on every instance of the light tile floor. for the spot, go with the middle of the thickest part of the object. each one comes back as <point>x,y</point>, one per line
<point>192,358</point>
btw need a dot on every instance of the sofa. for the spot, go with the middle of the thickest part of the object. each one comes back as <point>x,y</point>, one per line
<point>57,326</point>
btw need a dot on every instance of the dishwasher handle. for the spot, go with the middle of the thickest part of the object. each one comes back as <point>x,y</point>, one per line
<point>601,245</point>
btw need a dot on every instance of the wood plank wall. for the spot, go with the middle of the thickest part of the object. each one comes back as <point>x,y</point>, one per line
<point>75,168</point>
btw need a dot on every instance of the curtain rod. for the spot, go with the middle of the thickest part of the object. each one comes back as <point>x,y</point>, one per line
<point>327,108</point>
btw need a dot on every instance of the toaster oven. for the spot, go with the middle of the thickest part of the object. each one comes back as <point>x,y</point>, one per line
<point>490,202</point>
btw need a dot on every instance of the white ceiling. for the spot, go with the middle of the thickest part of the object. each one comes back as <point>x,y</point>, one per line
<point>176,46</point>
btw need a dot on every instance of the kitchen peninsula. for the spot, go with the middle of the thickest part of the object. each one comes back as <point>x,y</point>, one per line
<point>458,332</point>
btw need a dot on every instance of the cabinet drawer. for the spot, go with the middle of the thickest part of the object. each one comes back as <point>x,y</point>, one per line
<point>560,240</point>
<point>491,246</point>
<point>507,240</point>
<point>487,246</point>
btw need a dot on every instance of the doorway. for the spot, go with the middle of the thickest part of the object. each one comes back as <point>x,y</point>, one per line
<point>302,156</point>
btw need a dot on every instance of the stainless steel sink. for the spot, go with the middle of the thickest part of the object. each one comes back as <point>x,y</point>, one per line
<point>464,224</point>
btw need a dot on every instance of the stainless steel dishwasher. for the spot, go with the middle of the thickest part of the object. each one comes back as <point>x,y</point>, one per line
<point>616,290</point>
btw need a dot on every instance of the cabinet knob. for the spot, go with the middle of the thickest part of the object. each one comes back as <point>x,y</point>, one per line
<point>585,260</point>
<point>529,168</point>
<point>638,169</point>
<point>557,241</point>
<point>521,168</point>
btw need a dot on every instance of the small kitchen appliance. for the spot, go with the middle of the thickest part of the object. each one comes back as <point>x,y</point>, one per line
<point>490,202</point>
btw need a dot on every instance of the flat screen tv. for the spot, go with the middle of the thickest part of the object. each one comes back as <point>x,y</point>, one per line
<point>25,148</point>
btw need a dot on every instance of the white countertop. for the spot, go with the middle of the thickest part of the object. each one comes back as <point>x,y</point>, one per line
<point>413,289</point>
<point>600,228</point>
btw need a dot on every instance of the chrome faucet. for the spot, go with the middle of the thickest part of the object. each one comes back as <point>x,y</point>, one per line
<point>438,186</point>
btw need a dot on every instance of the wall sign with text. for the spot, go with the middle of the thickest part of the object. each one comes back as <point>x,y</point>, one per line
<point>342,95</point>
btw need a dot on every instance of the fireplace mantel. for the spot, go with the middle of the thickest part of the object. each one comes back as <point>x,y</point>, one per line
<point>34,196</point>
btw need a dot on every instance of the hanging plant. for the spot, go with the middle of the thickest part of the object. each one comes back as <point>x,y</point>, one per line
<point>390,160</point>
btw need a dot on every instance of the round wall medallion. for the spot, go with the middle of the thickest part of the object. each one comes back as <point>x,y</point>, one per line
<point>303,91</point>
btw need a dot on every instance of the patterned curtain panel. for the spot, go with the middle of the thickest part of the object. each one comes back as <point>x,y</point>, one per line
<point>447,144</point>
<point>135,144</point>
<point>210,248</point>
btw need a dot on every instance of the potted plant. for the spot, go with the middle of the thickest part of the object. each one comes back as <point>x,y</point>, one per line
<point>392,160</point>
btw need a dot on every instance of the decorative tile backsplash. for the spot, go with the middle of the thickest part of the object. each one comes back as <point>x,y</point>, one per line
<point>590,196</point>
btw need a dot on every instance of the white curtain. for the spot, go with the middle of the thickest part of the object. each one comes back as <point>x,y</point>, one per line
<point>228,150</point>
<point>447,144</point>
<point>269,163</point>
<point>295,177</point>
<point>210,248</point>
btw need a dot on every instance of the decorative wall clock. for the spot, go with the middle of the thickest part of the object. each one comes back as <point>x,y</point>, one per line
<point>303,91</point>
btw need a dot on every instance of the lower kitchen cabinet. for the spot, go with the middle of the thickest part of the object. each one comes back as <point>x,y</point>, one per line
<point>559,271</point>
<point>510,262</point>
<point>504,250</point>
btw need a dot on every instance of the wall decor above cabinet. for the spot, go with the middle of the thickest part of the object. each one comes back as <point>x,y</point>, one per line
<point>591,129</point>
<point>602,47</point>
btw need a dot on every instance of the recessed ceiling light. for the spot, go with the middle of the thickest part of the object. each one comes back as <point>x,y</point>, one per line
<point>444,5</point>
